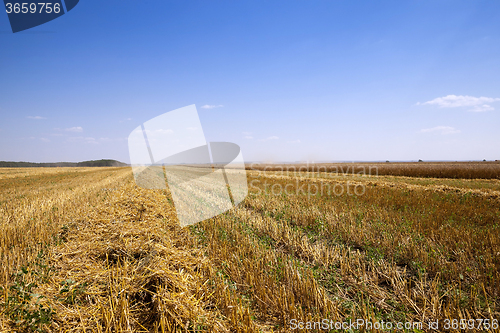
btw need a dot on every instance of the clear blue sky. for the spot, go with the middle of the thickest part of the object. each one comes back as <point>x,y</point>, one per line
<point>292,80</point>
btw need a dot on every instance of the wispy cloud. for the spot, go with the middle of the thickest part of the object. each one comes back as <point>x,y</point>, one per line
<point>482,108</point>
<point>208,106</point>
<point>270,138</point>
<point>45,139</point>
<point>294,141</point>
<point>76,129</point>
<point>478,104</point>
<point>441,129</point>
<point>36,117</point>
<point>249,137</point>
<point>83,139</point>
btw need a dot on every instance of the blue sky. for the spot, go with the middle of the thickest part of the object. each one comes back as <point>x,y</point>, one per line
<point>286,80</point>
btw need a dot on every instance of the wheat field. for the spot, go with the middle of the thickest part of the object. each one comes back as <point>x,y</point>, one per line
<point>86,250</point>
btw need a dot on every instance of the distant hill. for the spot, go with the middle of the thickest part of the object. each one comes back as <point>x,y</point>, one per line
<point>99,163</point>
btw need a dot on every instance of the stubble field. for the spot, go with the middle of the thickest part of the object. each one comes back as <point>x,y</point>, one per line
<point>86,250</point>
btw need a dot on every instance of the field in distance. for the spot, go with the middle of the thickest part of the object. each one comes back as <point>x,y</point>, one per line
<point>454,170</point>
<point>85,249</point>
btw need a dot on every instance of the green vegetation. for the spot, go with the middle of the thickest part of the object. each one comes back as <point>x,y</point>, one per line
<point>23,305</point>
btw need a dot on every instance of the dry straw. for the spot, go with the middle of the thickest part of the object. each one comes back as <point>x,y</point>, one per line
<point>102,255</point>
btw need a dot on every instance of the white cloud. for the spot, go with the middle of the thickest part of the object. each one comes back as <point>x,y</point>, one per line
<point>45,139</point>
<point>479,104</point>
<point>77,129</point>
<point>482,108</point>
<point>247,133</point>
<point>441,129</point>
<point>207,106</point>
<point>294,141</point>
<point>249,137</point>
<point>35,117</point>
<point>270,138</point>
<point>83,139</point>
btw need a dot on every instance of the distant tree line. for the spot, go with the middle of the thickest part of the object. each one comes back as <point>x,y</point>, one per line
<point>97,163</point>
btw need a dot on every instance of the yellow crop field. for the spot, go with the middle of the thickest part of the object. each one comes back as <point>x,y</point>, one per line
<point>86,250</point>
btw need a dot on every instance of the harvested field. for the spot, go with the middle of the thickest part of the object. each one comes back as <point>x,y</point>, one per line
<point>86,250</point>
